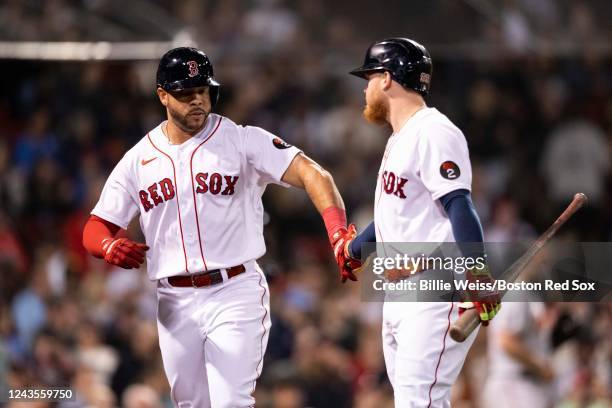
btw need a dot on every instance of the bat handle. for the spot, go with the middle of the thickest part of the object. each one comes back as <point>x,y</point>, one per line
<point>464,325</point>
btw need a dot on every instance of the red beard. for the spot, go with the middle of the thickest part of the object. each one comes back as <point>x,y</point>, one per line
<point>376,112</point>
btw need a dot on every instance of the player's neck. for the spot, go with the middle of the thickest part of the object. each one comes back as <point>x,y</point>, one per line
<point>176,135</point>
<point>402,109</point>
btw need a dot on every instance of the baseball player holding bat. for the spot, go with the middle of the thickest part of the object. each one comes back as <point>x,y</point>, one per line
<point>422,195</point>
<point>196,182</point>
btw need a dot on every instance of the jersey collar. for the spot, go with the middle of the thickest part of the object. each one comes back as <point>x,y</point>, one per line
<point>412,118</point>
<point>162,140</point>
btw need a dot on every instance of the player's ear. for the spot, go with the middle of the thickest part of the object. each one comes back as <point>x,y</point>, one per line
<point>163,96</point>
<point>386,81</point>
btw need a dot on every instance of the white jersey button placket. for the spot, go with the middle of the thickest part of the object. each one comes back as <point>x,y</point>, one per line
<point>192,243</point>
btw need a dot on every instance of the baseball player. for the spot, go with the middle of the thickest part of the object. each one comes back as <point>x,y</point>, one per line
<point>196,181</point>
<point>422,195</point>
<point>519,357</point>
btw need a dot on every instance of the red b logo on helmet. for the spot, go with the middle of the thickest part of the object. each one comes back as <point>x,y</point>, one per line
<point>193,68</point>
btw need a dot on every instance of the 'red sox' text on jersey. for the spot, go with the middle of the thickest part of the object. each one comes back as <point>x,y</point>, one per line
<point>201,200</point>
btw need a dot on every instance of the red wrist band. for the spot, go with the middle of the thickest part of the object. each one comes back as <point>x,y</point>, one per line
<point>95,232</point>
<point>334,219</point>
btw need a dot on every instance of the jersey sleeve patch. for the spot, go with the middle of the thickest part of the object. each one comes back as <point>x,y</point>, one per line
<point>268,155</point>
<point>280,143</point>
<point>450,170</point>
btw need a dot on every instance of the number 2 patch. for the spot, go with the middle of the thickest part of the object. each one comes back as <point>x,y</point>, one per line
<point>449,170</point>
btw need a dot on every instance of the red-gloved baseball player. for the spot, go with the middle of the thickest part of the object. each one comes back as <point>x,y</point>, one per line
<point>196,182</point>
<point>423,196</point>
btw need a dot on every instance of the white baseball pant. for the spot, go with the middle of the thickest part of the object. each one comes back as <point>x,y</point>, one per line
<point>422,361</point>
<point>213,339</point>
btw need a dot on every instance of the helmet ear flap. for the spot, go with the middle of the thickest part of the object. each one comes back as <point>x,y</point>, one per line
<point>213,92</point>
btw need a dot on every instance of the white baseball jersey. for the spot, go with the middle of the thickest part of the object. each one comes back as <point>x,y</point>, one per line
<point>425,160</point>
<point>199,202</point>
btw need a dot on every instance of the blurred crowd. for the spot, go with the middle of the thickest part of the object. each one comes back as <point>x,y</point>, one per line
<point>539,127</point>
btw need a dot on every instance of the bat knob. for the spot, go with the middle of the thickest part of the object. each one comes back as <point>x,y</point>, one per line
<point>581,198</point>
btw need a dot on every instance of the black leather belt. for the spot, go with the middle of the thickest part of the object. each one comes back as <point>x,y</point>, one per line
<point>208,278</point>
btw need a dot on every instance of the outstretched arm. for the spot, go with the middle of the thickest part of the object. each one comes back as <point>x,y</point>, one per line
<point>305,173</point>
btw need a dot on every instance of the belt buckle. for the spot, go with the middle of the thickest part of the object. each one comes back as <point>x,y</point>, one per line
<point>214,276</point>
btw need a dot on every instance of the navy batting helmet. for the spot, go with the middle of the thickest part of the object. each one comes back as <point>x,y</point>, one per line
<point>186,67</point>
<point>406,60</point>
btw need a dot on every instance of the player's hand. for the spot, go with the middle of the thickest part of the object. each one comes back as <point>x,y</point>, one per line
<point>340,242</point>
<point>485,299</point>
<point>486,311</point>
<point>124,252</point>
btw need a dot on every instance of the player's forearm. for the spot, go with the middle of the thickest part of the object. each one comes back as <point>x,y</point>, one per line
<point>464,222</point>
<point>320,187</point>
<point>97,230</point>
<point>305,173</point>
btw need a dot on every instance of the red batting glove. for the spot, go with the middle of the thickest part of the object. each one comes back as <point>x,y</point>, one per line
<point>124,252</point>
<point>340,241</point>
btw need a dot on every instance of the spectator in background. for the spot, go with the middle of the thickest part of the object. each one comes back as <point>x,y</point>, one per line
<point>576,159</point>
<point>51,362</point>
<point>11,183</point>
<point>506,224</point>
<point>323,370</point>
<point>140,396</point>
<point>519,357</point>
<point>270,24</point>
<point>287,395</point>
<point>29,310</point>
<point>6,343</point>
<point>587,388</point>
<point>140,358</point>
<point>36,142</point>
<point>91,352</point>
<point>516,31</point>
<point>89,392</point>
<point>374,398</point>
<point>11,249</point>
<point>583,355</point>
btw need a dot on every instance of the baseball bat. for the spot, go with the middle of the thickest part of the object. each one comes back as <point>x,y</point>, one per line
<point>469,321</point>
